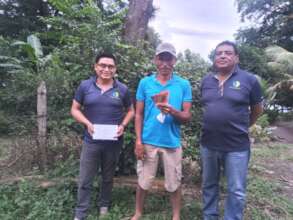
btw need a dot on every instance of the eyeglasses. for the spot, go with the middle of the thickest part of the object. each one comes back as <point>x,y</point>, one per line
<point>104,66</point>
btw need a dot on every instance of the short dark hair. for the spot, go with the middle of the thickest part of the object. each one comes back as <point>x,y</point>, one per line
<point>230,43</point>
<point>105,55</point>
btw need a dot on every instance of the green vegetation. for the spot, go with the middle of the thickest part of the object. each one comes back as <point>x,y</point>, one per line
<point>28,199</point>
<point>267,197</point>
<point>61,51</point>
<point>272,151</point>
<point>265,201</point>
<point>62,57</point>
<point>56,42</point>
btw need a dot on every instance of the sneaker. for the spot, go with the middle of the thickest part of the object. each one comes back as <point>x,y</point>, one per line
<point>103,211</point>
<point>76,218</point>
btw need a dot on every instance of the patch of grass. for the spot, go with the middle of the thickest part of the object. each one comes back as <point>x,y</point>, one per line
<point>266,202</point>
<point>26,200</point>
<point>274,151</point>
<point>4,143</point>
<point>66,168</point>
<point>265,198</point>
<point>267,157</point>
<point>290,158</point>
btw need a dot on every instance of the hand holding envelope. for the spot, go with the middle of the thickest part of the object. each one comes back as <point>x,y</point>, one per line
<point>161,100</point>
<point>105,132</point>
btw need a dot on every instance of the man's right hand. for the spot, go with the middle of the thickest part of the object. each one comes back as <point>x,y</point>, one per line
<point>139,150</point>
<point>90,128</point>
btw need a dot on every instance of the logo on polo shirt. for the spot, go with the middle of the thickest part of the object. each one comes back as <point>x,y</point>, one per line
<point>235,85</point>
<point>115,95</point>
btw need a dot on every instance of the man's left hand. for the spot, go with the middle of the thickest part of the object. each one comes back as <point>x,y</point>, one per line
<point>120,130</point>
<point>165,108</point>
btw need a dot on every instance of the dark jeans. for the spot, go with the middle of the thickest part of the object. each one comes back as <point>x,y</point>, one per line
<point>235,169</point>
<point>93,156</point>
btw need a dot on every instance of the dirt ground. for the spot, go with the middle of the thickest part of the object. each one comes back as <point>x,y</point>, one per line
<point>280,168</point>
<point>284,131</point>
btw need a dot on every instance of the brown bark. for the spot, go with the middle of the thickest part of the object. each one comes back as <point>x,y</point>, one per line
<point>139,14</point>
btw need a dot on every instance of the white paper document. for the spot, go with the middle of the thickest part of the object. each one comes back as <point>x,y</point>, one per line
<point>105,132</point>
<point>161,117</point>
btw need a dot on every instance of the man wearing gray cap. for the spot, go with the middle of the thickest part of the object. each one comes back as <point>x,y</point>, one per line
<point>163,103</point>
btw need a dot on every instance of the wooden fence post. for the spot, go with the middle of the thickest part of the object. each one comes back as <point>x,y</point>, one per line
<point>42,125</point>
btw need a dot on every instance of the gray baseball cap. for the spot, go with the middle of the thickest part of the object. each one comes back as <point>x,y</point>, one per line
<point>166,47</point>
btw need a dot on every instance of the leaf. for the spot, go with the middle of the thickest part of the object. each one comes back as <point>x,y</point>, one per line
<point>10,65</point>
<point>26,48</point>
<point>35,43</point>
<point>124,46</point>
<point>46,59</point>
<point>4,57</point>
<point>65,5</point>
<point>11,59</point>
<point>16,71</point>
<point>17,43</point>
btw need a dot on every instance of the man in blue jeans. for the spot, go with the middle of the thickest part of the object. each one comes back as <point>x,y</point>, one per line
<point>106,102</point>
<point>232,102</point>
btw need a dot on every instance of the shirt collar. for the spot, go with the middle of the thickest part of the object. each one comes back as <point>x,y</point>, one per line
<point>234,71</point>
<point>173,78</point>
<point>94,80</point>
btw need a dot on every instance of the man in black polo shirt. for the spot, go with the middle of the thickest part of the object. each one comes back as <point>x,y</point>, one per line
<point>232,102</point>
<point>100,102</point>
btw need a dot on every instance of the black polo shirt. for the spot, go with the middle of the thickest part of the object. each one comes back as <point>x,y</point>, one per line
<point>102,108</point>
<point>226,113</point>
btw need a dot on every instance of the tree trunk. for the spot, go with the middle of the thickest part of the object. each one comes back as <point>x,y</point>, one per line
<point>42,125</point>
<point>139,14</point>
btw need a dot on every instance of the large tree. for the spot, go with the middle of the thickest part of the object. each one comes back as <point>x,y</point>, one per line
<point>272,23</point>
<point>139,14</point>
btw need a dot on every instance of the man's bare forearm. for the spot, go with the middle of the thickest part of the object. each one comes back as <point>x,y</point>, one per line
<point>181,116</point>
<point>129,115</point>
<point>255,112</point>
<point>78,115</point>
<point>138,127</point>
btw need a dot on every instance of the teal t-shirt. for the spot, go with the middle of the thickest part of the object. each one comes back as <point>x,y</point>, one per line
<point>166,134</point>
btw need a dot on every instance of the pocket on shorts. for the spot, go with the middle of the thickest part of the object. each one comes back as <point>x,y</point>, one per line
<point>139,167</point>
<point>178,170</point>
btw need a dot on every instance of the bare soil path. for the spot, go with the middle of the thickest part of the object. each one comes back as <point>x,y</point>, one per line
<point>284,131</point>
<point>277,158</point>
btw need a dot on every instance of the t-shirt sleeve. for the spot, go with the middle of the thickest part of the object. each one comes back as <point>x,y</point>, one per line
<point>79,94</point>
<point>256,93</point>
<point>187,92</point>
<point>140,95</point>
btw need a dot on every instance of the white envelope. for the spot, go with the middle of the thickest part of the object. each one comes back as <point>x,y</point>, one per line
<point>105,132</point>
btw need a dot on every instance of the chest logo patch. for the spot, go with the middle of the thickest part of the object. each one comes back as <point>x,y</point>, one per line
<point>115,95</point>
<point>235,85</point>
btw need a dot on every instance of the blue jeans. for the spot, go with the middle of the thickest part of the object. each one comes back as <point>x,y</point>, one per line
<point>235,166</point>
<point>102,155</point>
